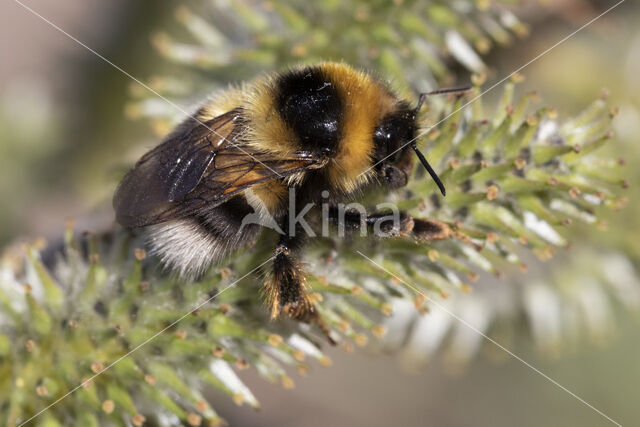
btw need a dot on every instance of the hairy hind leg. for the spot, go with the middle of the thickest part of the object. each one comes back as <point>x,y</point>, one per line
<point>286,288</point>
<point>287,285</point>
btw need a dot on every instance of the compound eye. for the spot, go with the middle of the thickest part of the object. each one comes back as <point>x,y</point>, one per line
<point>385,140</point>
<point>382,133</point>
<point>392,134</point>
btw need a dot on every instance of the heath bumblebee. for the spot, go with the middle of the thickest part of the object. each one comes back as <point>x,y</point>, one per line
<point>325,128</point>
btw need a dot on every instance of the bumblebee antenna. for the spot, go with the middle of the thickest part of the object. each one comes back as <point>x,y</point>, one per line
<point>423,160</point>
<point>422,97</point>
<point>429,169</point>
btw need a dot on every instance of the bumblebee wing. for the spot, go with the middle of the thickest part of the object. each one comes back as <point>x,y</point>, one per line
<point>175,167</point>
<point>231,172</point>
<point>196,168</point>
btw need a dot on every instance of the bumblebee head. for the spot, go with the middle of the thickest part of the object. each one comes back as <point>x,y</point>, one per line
<point>396,134</point>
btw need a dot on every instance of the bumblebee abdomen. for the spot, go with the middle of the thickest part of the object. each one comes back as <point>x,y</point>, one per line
<point>310,104</point>
<point>191,244</point>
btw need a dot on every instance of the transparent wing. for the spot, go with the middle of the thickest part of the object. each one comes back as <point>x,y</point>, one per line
<point>197,166</point>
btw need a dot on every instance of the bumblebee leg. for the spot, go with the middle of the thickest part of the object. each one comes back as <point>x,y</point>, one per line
<point>381,224</point>
<point>400,224</point>
<point>286,287</point>
<point>425,230</point>
<point>288,294</point>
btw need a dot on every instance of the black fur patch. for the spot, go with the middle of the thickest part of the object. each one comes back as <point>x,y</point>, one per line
<point>225,220</point>
<point>310,104</point>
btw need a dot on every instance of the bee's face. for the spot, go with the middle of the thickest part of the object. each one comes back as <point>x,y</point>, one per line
<point>392,135</point>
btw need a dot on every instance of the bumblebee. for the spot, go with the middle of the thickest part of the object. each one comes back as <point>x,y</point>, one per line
<point>326,128</point>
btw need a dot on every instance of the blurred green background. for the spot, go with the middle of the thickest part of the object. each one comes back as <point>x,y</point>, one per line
<point>64,140</point>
